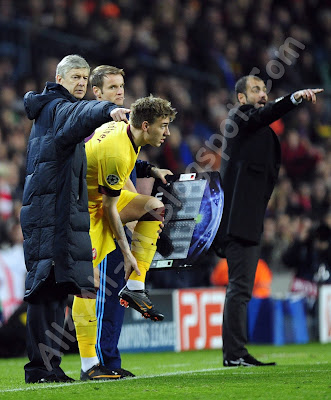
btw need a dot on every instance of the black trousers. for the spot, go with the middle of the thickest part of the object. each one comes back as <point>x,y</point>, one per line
<point>44,329</point>
<point>242,261</point>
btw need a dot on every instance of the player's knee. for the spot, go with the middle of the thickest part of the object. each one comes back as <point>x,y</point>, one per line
<point>153,204</point>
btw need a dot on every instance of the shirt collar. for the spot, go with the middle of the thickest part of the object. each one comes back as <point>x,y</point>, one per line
<point>128,130</point>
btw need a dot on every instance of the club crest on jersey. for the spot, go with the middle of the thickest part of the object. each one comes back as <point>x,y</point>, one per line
<point>112,179</point>
<point>94,253</point>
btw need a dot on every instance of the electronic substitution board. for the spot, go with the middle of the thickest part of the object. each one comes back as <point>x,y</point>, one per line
<point>193,210</point>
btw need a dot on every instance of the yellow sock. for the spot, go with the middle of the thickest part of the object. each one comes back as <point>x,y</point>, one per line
<point>143,268</point>
<point>85,320</point>
<point>143,246</point>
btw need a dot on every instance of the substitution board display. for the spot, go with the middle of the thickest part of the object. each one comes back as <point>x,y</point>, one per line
<point>193,210</point>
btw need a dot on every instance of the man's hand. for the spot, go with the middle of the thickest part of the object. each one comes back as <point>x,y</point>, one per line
<point>130,265</point>
<point>160,173</point>
<point>160,230</point>
<point>307,94</point>
<point>119,114</point>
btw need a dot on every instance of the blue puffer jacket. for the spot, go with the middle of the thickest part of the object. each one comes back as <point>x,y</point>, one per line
<point>54,217</point>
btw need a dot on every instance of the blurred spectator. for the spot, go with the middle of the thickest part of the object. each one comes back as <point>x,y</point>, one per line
<point>299,157</point>
<point>319,199</point>
<point>6,200</point>
<point>305,197</point>
<point>12,272</point>
<point>279,199</point>
<point>310,258</point>
<point>262,282</point>
<point>310,255</point>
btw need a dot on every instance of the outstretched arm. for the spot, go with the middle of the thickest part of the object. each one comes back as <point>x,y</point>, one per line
<point>83,117</point>
<point>255,118</point>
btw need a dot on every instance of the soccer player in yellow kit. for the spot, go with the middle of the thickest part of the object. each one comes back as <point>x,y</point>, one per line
<point>112,153</point>
<point>131,207</point>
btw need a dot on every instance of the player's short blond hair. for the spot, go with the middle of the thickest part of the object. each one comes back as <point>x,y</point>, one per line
<point>99,73</point>
<point>150,109</point>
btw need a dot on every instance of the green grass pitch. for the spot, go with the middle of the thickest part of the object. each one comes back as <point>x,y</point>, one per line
<point>303,372</point>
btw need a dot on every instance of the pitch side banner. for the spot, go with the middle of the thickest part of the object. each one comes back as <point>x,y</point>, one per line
<point>194,207</point>
<point>143,335</point>
<point>325,313</point>
<point>199,316</point>
<point>193,321</point>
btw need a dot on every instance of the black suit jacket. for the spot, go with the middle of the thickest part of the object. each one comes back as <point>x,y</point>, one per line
<point>249,169</point>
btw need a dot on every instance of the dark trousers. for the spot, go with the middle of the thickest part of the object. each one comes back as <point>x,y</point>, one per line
<point>109,312</point>
<point>242,261</point>
<point>44,328</point>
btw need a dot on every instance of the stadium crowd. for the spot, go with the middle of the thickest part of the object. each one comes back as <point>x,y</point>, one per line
<point>190,52</point>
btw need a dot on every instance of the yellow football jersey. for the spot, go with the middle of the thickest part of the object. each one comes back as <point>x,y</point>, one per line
<point>111,156</point>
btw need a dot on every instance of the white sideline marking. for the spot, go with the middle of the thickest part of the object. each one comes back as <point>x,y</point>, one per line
<point>235,370</point>
<point>37,386</point>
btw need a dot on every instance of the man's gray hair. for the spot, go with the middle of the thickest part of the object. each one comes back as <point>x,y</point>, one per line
<point>70,62</point>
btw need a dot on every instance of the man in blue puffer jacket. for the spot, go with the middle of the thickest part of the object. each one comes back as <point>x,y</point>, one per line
<point>54,217</point>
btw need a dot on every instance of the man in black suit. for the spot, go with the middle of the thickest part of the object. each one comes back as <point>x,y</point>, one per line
<point>249,170</point>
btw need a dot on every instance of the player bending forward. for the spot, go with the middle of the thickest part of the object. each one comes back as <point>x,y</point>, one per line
<point>112,153</point>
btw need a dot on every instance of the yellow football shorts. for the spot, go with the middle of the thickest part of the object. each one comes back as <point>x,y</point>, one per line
<point>101,235</point>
